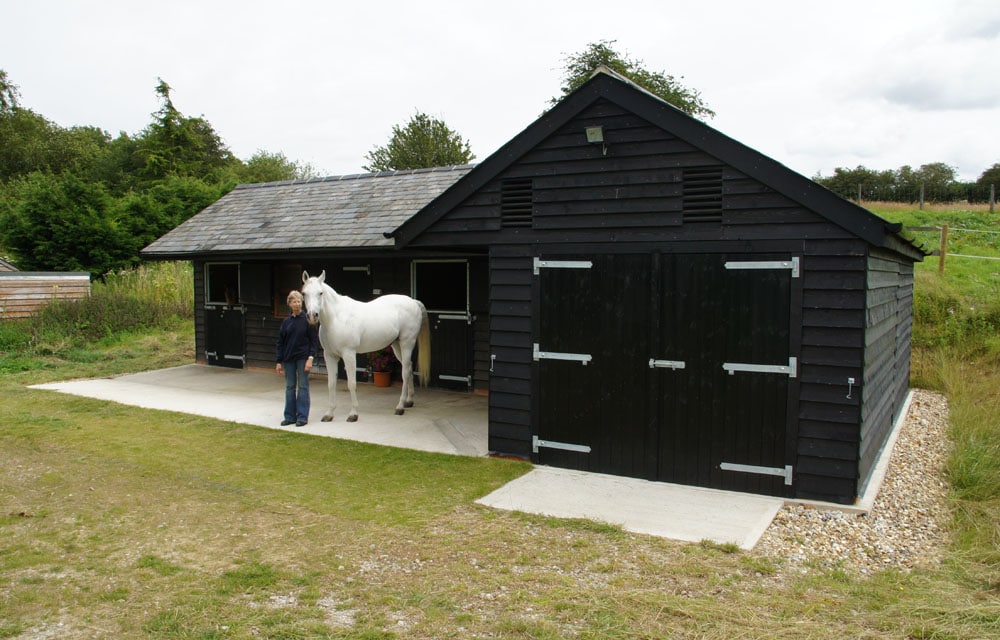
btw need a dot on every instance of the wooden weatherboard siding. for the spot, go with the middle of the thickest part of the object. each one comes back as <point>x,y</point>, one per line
<point>23,292</point>
<point>887,351</point>
<point>665,184</point>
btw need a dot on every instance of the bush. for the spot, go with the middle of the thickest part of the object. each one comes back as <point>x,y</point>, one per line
<point>151,296</point>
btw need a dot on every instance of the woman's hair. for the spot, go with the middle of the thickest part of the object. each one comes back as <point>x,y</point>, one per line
<point>292,295</point>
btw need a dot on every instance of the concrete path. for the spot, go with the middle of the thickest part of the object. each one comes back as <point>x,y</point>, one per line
<point>452,423</point>
<point>441,421</point>
<point>671,511</point>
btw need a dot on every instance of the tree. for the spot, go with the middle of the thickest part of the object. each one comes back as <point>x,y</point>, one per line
<point>580,66</point>
<point>9,94</point>
<point>174,144</point>
<point>272,167</point>
<point>61,223</point>
<point>989,177</point>
<point>149,214</point>
<point>872,184</point>
<point>424,142</point>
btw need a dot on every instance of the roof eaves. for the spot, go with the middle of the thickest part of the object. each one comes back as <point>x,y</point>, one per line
<point>496,162</point>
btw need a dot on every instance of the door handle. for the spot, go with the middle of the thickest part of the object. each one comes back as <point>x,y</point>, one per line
<point>666,364</point>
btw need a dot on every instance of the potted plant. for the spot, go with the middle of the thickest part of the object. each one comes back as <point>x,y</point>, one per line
<point>381,364</point>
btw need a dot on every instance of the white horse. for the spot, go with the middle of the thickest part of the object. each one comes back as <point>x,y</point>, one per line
<point>349,327</point>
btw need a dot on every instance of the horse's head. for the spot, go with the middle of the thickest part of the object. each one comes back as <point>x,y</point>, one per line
<point>312,295</point>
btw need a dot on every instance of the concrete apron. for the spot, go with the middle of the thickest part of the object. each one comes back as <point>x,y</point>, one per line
<point>456,423</point>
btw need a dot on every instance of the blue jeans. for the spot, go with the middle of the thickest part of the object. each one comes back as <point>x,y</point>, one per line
<point>296,391</point>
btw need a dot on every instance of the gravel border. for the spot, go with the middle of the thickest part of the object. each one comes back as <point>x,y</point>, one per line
<point>908,523</point>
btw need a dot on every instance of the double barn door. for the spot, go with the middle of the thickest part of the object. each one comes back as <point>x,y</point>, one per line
<point>669,367</point>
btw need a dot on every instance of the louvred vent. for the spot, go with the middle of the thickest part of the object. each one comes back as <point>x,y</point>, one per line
<point>703,194</point>
<point>516,203</point>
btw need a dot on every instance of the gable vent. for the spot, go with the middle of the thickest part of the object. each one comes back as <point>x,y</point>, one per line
<point>703,194</point>
<point>516,203</point>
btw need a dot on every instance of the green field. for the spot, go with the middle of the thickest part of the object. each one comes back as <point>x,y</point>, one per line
<point>117,522</point>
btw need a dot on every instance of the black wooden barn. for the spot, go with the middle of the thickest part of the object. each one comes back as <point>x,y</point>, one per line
<point>639,294</point>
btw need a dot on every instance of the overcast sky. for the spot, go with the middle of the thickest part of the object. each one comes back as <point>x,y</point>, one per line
<point>814,85</point>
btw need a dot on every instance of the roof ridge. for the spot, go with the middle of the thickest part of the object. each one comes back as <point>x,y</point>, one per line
<point>357,176</point>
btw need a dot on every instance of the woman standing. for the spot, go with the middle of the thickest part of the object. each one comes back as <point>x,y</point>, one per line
<point>297,345</point>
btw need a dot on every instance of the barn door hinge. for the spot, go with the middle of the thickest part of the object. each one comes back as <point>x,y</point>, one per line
<point>466,379</point>
<point>538,354</point>
<point>466,317</point>
<point>540,264</point>
<point>792,264</point>
<point>537,443</point>
<point>785,473</point>
<point>792,369</point>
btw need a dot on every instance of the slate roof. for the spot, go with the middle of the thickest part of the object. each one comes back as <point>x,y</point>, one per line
<point>353,211</point>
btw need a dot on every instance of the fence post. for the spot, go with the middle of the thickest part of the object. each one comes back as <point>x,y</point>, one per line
<point>944,248</point>
<point>993,197</point>
<point>921,196</point>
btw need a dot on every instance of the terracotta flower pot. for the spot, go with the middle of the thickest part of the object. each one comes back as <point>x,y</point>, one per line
<point>383,378</point>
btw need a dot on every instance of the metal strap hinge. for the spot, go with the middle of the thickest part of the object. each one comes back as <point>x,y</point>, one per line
<point>785,473</point>
<point>561,264</point>
<point>537,443</point>
<point>792,369</point>
<point>466,379</point>
<point>792,264</point>
<point>582,358</point>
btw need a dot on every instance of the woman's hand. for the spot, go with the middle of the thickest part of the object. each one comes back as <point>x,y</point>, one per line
<point>309,364</point>
<point>277,367</point>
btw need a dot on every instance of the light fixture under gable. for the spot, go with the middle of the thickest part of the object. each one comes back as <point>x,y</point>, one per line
<point>595,134</point>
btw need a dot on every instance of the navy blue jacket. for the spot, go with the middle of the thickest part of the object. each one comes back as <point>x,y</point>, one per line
<point>297,339</point>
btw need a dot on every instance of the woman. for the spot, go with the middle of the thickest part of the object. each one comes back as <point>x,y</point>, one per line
<point>297,345</point>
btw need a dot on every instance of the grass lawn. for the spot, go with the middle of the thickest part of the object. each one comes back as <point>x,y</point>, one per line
<point>118,522</point>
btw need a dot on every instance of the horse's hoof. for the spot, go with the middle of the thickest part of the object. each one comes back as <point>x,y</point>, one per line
<point>408,404</point>
<point>326,419</point>
<point>399,412</point>
<point>352,418</point>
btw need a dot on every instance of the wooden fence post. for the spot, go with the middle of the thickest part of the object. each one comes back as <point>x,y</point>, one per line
<point>993,197</point>
<point>944,248</point>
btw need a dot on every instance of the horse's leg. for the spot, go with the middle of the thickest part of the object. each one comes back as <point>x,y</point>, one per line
<point>332,363</point>
<point>404,353</point>
<point>351,366</point>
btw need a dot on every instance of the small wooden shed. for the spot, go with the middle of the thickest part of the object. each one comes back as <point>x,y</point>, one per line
<point>24,292</point>
<point>639,294</point>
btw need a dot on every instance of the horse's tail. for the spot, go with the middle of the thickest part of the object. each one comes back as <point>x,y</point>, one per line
<point>424,348</point>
